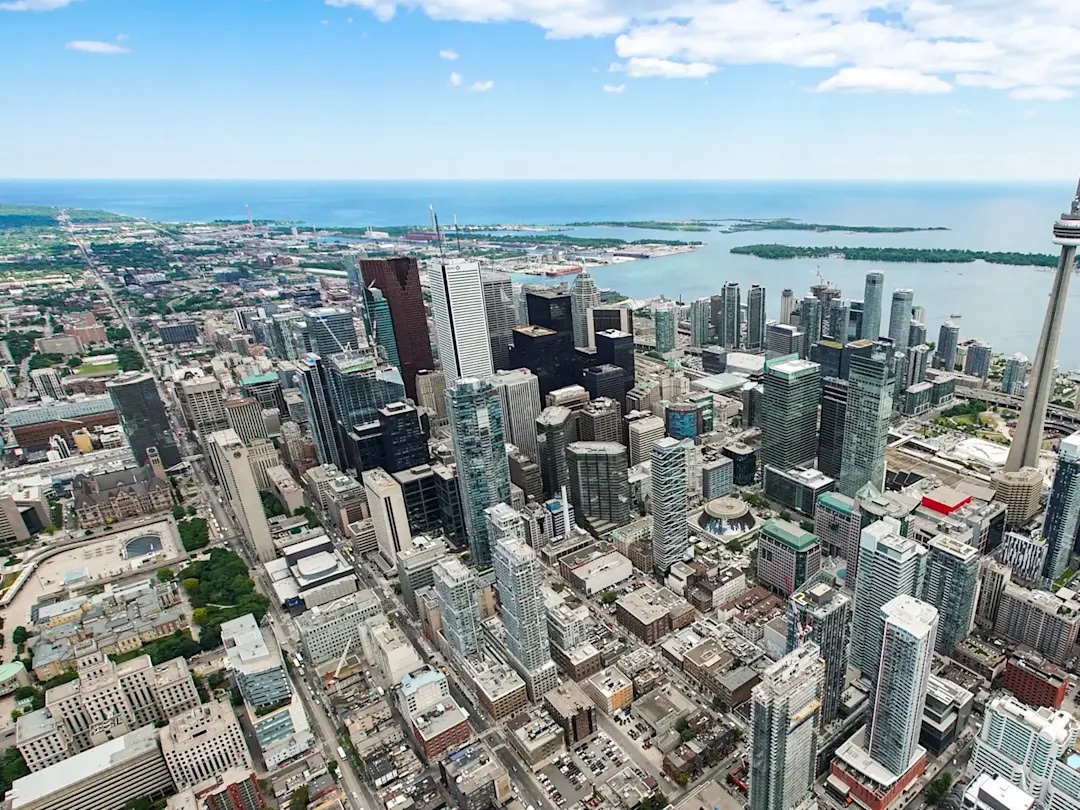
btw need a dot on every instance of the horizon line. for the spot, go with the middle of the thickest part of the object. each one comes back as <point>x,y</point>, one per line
<point>899,181</point>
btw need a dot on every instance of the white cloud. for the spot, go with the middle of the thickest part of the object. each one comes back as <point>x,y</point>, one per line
<point>482,86</point>
<point>448,55</point>
<point>614,88</point>
<point>455,79</point>
<point>643,66</point>
<point>121,37</point>
<point>1026,46</point>
<point>1040,93</point>
<point>869,80</point>
<point>94,46</point>
<point>34,5</point>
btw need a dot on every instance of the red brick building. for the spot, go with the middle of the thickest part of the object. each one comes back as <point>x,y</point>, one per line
<point>1035,681</point>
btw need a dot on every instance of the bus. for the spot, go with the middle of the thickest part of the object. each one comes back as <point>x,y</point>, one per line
<point>341,752</point>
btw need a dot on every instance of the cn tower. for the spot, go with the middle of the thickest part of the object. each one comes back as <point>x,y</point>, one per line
<point>1029,428</point>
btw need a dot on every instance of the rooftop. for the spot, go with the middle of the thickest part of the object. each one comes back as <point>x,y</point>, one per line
<point>63,775</point>
<point>837,502</point>
<point>789,534</point>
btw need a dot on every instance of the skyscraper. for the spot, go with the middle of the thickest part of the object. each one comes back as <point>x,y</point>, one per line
<point>952,579</point>
<point>599,488</point>
<point>900,317</point>
<point>784,722</point>
<point>730,333</point>
<point>1063,508</point>
<point>556,429</point>
<point>461,332</point>
<point>518,574</point>
<point>143,417</point>
<point>616,348</point>
<point>871,325</point>
<point>314,379</point>
<point>665,324</point>
<point>519,392</point>
<point>398,279</point>
<point>948,341</point>
<point>547,353</point>
<point>908,631</point>
<point>916,333</point>
<point>584,295</point>
<point>203,404</point>
<point>479,438</point>
<point>789,415</point>
<point>600,421</point>
<point>229,459</point>
<point>455,589</point>
<point>699,321</point>
<point>820,613</point>
<point>977,362</point>
<point>1028,437</point>
<point>360,384</point>
<point>866,423</point>
<point>379,324</point>
<point>670,530</point>
<point>834,397</point>
<point>787,306</point>
<point>837,316</point>
<point>1015,376</point>
<point>755,317</point>
<point>889,566</point>
<point>501,316</point>
<point>809,323</point>
<point>604,381</point>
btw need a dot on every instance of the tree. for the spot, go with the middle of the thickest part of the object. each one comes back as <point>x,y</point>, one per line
<point>74,362</point>
<point>190,584</point>
<point>12,767</point>
<point>609,597</point>
<point>165,574</point>
<point>684,779</point>
<point>194,532</point>
<point>938,788</point>
<point>19,635</point>
<point>299,798</point>
<point>177,512</point>
<point>397,588</point>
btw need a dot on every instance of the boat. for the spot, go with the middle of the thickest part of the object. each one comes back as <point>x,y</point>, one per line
<point>956,315</point>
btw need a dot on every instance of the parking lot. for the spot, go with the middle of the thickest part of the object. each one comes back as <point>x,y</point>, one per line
<point>571,777</point>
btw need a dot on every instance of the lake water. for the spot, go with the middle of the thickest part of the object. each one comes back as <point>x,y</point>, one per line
<point>1001,304</point>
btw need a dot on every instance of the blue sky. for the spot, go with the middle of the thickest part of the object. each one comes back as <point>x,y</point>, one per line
<point>356,89</point>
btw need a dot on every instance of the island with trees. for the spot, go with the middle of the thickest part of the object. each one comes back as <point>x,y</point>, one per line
<point>739,226</point>
<point>894,254</point>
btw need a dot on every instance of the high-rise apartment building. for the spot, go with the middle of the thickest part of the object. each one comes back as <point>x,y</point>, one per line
<point>789,413</point>
<point>948,343</point>
<point>455,589</point>
<point>871,325</point>
<point>820,613</point>
<point>908,632</point>
<point>518,574</point>
<point>584,296</point>
<point>202,402</point>
<point>398,279</point>
<point>479,439</point>
<point>1063,508</point>
<point>519,392</point>
<point>755,318</point>
<point>784,722</point>
<point>1021,492</point>
<point>700,312</point>
<point>810,314</point>
<point>866,423</point>
<point>900,317</point>
<point>787,306</point>
<point>889,566</point>
<point>461,333</point>
<point>232,467</point>
<point>1046,622</point>
<point>729,326</point>
<point>952,582</point>
<point>599,488</point>
<point>670,504</point>
<point>1014,378</point>
<point>977,362</point>
<point>501,316</point>
<point>665,325</point>
<point>143,417</point>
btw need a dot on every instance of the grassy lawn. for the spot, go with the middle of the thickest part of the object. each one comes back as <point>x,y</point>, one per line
<point>9,580</point>
<point>97,368</point>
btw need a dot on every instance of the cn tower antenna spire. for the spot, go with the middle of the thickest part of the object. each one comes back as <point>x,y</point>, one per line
<point>1028,437</point>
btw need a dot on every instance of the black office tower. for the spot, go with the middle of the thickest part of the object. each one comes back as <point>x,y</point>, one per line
<point>604,381</point>
<point>616,348</point>
<point>547,354</point>
<point>551,310</point>
<point>404,443</point>
<point>143,417</point>
<point>831,435</point>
